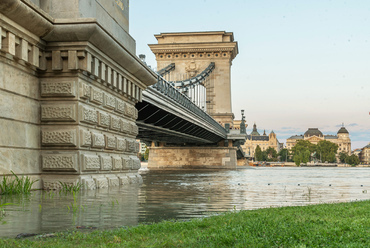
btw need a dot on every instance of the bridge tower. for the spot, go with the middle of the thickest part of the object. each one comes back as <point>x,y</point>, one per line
<point>192,52</point>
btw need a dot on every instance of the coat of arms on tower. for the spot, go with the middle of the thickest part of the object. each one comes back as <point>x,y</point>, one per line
<point>192,68</point>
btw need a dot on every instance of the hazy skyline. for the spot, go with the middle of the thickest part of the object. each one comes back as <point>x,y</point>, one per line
<point>301,64</point>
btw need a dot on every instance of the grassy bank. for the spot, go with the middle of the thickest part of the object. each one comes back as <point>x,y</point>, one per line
<point>326,225</point>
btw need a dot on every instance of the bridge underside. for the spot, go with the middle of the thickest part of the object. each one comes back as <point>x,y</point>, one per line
<point>160,125</point>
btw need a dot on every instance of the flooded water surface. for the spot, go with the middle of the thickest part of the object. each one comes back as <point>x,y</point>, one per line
<point>181,195</point>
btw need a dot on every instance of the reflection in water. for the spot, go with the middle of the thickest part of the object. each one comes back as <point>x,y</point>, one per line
<point>182,195</point>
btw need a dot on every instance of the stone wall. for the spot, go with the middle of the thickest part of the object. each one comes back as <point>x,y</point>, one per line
<point>68,91</point>
<point>192,157</point>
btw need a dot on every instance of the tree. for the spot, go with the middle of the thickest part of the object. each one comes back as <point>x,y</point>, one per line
<point>343,156</point>
<point>146,154</point>
<point>284,155</point>
<point>352,160</point>
<point>271,154</point>
<point>326,150</point>
<point>302,151</point>
<point>258,154</point>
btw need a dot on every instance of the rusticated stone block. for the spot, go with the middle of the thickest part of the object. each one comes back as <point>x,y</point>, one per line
<point>134,130</point>
<point>111,142</point>
<point>60,112</point>
<point>117,163</point>
<point>131,146</point>
<point>54,184</point>
<point>137,146</point>
<point>135,163</point>
<point>130,110</point>
<point>101,182</point>
<point>97,96</point>
<point>126,163</point>
<point>121,144</point>
<point>85,91</point>
<point>58,138</point>
<point>115,123</point>
<point>88,115</point>
<point>123,180</point>
<point>85,139</point>
<point>104,119</point>
<point>98,140</point>
<point>88,183</point>
<point>58,89</point>
<point>120,108</point>
<point>125,126</point>
<point>106,162</point>
<point>113,180</point>
<point>90,162</point>
<point>59,162</point>
<point>133,179</point>
<point>109,101</point>
<point>140,179</point>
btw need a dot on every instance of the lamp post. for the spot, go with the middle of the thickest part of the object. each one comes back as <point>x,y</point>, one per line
<point>242,124</point>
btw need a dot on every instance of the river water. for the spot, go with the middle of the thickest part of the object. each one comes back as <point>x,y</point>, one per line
<point>182,195</point>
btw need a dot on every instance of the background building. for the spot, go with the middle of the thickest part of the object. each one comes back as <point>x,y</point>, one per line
<point>314,135</point>
<point>264,141</point>
<point>364,155</point>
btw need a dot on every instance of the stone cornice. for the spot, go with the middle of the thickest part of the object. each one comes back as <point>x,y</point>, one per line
<point>196,48</point>
<point>26,14</point>
<point>89,30</point>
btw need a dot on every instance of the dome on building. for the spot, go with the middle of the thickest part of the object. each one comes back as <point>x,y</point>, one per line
<point>342,130</point>
<point>313,132</point>
<point>255,132</point>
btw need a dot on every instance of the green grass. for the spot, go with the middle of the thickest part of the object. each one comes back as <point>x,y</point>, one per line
<point>70,188</point>
<point>16,185</point>
<point>325,225</point>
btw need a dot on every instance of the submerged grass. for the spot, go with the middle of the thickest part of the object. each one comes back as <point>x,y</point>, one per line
<point>324,225</point>
<point>70,188</point>
<point>16,185</point>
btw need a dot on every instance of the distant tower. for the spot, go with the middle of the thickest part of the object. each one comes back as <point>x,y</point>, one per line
<point>343,135</point>
<point>192,52</point>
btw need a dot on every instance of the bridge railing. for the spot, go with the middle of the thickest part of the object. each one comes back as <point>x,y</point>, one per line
<point>168,89</point>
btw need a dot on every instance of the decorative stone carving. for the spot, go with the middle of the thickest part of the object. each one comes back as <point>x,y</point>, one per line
<point>86,140</point>
<point>62,112</point>
<point>85,91</point>
<point>89,115</point>
<point>192,68</point>
<point>134,130</point>
<point>55,185</point>
<point>58,89</point>
<point>97,96</point>
<point>90,162</point>
<point>104,119</point>
<point>109,101</point>
<point>59,138</point>
<point>117,163</point>
<point>59,162</point>
<point>115,123</point>
<point>120,108</point>
<point>106,162</point>
<point>98,140</point>
<point>111,142</point>
<point>121,144</point>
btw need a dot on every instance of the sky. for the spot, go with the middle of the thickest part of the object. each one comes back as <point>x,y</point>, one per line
<point>301,64</point>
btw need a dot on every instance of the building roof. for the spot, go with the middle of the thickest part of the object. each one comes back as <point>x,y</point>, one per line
<point>258,137</point>
<point>342,130</point>
<point>331,137</point>
<point>313,132</point>
<point>296,137</point>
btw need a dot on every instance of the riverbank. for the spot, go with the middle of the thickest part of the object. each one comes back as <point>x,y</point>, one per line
<point>324,225</point>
